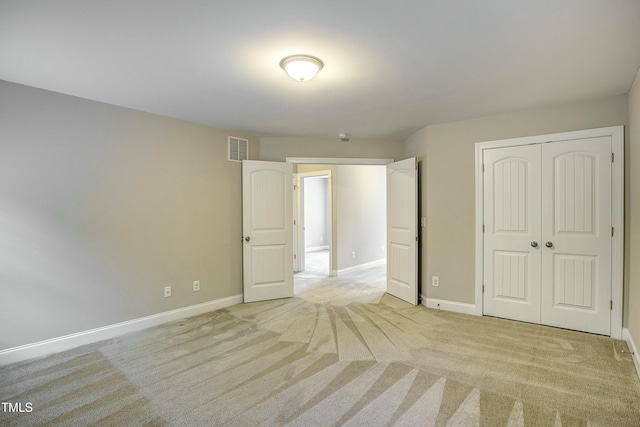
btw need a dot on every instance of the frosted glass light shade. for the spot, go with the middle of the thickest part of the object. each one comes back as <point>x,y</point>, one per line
<point>301,67</point>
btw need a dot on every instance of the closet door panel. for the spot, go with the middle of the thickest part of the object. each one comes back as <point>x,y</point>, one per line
<point>512,233</point>
<point>576,230</point>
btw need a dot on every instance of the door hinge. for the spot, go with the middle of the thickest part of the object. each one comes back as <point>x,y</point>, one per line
<point>483,228</point>
<point>294,222</point>
<point>295,256</point>
<point>417,238</point>
<point>612,230</point>
<point>612,157</point>
<point>483,289</point>
<point>295,188</point>
<point>611,304</point>
<point>483,167</point>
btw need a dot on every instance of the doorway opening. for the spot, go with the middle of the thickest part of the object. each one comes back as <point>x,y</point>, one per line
<point>268,223</point>
<point>317,223</point>
<point>341,223</point>
<point>313,228</point>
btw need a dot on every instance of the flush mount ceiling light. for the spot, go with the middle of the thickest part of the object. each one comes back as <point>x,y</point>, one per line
<point>301,67</point>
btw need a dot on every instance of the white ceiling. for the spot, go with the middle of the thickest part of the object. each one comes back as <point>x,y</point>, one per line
<point>391,67</point>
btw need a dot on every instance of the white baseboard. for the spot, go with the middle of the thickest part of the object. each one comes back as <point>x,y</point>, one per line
<point>632,346</point>
<point>317,248</point>
<point>458,307</point>
<point>67,342</point>
<point>382,261</point>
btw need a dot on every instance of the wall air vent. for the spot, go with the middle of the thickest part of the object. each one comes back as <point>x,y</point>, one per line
<point>238,149</point>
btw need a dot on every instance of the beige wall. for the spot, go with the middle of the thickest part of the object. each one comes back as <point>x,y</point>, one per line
<point>634,201</point>
<point>361,220</point>
<point>101,207</point>
<point>448,182</point>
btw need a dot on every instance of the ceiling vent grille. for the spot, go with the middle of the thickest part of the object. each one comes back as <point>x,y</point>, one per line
<point>238,149</point>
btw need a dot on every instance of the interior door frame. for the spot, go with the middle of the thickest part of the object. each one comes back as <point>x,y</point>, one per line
<point>334,161</point>
<point>616,133</point>
<point>299,240</point>
<point>337,161</point>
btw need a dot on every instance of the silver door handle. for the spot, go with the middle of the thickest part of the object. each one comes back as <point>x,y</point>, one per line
<point>246,239</point>
<point>534,244</point>
<point>549,244</point>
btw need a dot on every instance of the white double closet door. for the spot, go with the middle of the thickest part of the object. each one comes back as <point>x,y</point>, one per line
<point>547,240</point>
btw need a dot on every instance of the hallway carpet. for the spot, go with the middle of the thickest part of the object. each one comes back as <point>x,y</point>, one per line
<point>341,352</point>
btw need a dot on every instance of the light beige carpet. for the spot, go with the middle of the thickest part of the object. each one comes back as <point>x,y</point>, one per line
<point>340,353</point>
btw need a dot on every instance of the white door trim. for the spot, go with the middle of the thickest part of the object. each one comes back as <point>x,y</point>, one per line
<point>336,161</point>
<point>617,209</point>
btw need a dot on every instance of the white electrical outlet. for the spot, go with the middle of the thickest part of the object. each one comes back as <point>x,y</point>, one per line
<point>167,291</point>
<point>353,255</point>
<point>435,281</point>
<point>196,285</point>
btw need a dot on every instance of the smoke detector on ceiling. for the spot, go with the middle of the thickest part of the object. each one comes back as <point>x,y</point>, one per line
<point>344,137</point>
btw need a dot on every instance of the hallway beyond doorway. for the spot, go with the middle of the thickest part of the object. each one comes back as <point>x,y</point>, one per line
<point>364,285</point>
<point>317,262</point>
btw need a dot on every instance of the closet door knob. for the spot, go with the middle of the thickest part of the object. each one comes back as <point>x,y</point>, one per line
<point>534,244</point>
<point>549,244</point>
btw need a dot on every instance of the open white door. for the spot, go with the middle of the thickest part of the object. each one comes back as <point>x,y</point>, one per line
<point>402,230</point>
<point>267,228</point>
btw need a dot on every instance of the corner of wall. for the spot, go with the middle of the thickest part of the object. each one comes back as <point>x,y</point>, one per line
<point>632,326</point>
<point>416,144</point>
<point>633,349</point>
